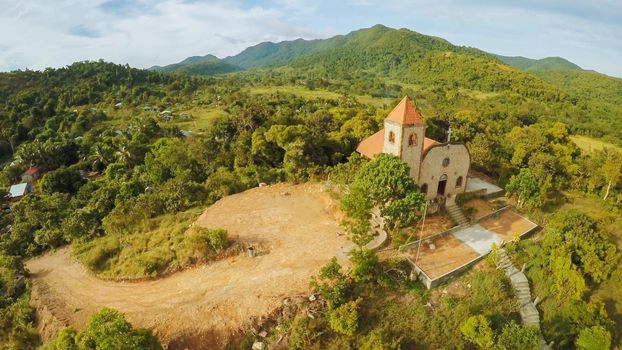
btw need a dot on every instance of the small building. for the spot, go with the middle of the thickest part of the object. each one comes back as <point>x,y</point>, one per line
<point>439,168</point>
<point>118,105</point>
<point>32,174</point>
<point>19,190</point>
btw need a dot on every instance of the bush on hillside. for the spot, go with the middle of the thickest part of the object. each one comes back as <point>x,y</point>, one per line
<point>107,329</point>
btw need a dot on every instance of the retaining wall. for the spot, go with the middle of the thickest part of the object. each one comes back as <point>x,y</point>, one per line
<point>433,282</point>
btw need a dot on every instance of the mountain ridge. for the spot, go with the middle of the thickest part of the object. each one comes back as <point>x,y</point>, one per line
<point>270,54</point>
<point>198,65</point>
<point>539,65</point>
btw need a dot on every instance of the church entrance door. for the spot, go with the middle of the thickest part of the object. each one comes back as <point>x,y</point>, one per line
<point>442,183</point>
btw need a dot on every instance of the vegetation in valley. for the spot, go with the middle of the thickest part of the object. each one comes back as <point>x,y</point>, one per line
<point>130,157</point>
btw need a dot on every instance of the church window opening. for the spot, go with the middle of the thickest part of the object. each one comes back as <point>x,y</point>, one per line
<point>459,181</point>
<point>445,162</point>
<point>424,189</point>
<point>412,140</point>
<point>391,136</point>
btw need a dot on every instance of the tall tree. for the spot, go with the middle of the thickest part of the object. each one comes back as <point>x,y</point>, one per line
<point>612,170</point>
<point>384,183</point>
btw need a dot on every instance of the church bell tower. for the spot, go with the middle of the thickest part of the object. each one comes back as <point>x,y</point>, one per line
<point>404,133</point>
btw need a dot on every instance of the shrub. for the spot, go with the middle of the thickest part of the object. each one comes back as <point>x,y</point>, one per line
<point>200,239</point>
<point>345,318</point>
<point>477,330</point>
<point>95,254</point>
<point>594,338</point>
<point>305,331</point>
<point>515,336</point>
<point>331,284</point>
<point>365,265</point>
<point>217,238</point>
<point>154,262</point>
<point>63,179</point>
<point>107,329</point>
<point>377,340</point>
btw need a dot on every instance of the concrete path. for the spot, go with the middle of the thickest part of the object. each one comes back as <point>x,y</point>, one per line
<point>380,236</point>
<point>475,184</point>
<point>528,312</point>
<point>478,238</point>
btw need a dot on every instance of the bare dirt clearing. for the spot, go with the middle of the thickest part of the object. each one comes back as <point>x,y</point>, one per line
<point>294,227</point>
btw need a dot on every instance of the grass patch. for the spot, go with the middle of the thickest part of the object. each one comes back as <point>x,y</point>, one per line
<point>295,90</point>
<point>200,118</point>
<point>595,207</point>
<point>589,144</point>
<point>163,245</point>
<point>384,102</point>
<point>318,93</point>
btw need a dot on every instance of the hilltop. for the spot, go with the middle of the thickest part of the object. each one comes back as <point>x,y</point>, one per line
<point>199,65</point>
<point>542,65</point>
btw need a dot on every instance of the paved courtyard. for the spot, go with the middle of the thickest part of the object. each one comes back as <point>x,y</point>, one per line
<point>478,238</point>
<point>443,254</point>
<point>475,184</point>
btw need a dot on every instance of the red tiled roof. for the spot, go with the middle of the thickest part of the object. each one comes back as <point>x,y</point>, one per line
<point>374,145</point>
<point>427,143</point>
<point>32,170</point>
<point>405,113</point>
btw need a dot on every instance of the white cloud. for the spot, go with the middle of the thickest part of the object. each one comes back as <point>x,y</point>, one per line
<point>56,33</point>
<point>41,33</point>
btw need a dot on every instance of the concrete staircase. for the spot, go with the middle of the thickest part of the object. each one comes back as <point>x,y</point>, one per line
<point>456,214</point>
<point>528,312</point>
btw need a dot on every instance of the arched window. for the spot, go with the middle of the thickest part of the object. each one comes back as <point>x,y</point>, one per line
<point>424,189</point>
<point>412,139</point>
<point>459,181</point>
<point>391,136</point>
<point>445,162</point>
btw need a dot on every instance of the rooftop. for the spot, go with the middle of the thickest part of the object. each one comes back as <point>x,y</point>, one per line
<point>18,190</point>
<point>32,170</point>
<point>405,113</point>
<point>374,145</point>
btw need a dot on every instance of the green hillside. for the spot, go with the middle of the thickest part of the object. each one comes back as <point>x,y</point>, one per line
<point>199,65</point>
<point>541,65</point>
<point>269,53</point>
<point>294,124</point>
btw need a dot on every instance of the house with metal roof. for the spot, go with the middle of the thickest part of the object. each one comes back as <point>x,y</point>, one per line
<point>19,190</point>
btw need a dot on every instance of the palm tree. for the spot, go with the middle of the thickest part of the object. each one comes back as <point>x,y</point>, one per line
<point>100,156</point>
<point>123,154</point>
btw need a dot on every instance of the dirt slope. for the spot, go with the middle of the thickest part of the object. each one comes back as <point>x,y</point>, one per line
<point>295,228</point>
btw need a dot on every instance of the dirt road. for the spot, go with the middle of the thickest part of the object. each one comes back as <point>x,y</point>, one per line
<point>295,228</point>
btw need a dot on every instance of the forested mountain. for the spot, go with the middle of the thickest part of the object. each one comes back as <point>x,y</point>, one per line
<point>381,61</point>
<point>378,36</point>
<point>199,65</point>
<point>541,65</point>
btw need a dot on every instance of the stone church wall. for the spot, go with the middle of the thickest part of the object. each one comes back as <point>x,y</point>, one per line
<point>410,154</point>
<point>433,167</point>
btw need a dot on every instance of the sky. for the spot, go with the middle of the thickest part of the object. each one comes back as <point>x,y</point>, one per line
<point>36,34</point>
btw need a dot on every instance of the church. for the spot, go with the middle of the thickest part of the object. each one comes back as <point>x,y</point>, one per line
<point>439,169</point>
